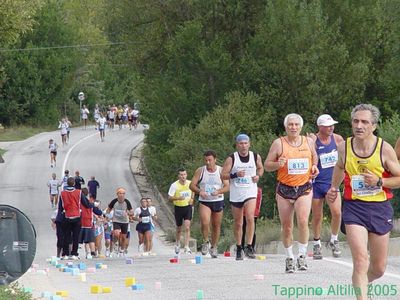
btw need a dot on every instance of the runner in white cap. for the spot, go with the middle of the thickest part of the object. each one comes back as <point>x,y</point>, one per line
<point>326,147</point>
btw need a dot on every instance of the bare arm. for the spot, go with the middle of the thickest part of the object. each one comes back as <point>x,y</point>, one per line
<point>338,174</point>
<point>260,169</point>
<point>226,169</point>
<point>391,164</point>
<point>338,138</point>
<point>397,148</point>
<point>314,157</point>
<point>273,161</point>
<point>195,180</point>
<point>224,189</point>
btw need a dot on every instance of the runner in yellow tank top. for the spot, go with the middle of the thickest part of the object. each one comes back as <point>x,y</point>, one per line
<point>295,159</point>
<point>367,214</point>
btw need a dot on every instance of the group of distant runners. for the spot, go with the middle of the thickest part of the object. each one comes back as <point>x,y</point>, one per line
<point>115,115</point>
<point>79,219</point>
<point>310,171</point>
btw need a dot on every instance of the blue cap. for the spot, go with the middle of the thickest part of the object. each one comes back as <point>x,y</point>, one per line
<point>242,137</point>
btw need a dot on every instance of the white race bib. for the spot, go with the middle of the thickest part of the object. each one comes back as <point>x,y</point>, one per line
<point>146,219</point>
<point>119,213</point>
<point>359,187</point>
<point>209,189</point>
<point>328,160</point>
<point>185,194</point>
<point>242,181</point>
<point>298,166</point>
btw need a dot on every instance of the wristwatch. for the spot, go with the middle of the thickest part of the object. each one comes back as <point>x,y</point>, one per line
<point>379,183</point>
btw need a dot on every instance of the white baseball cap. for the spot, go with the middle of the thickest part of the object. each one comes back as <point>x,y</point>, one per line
<point>326,120</point>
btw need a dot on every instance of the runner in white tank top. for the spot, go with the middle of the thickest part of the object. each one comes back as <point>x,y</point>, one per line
<point>207,183</point>
<point>243,168</point>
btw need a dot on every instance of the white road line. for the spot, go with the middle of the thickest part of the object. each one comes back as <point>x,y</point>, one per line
<point>350,265</point>
<point>70,150</point>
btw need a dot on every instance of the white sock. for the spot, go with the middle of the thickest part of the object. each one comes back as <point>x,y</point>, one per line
<point>334,238</point>
<point>289,252</point>
<point>317,242</point>
<point>303,249</point>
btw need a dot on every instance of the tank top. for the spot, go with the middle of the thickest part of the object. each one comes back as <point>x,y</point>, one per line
<point>243,188</point>
<point>354,186</point>
<point>327,158</point>
<point>297,169</point>
<point>145,215</point>
<point>211,182</point>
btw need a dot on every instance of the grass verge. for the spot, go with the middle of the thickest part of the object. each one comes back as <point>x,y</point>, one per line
<point>21,132</point>
<point>14,292</point>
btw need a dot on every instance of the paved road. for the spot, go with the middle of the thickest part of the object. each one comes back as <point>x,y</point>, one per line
<point>23,184</point>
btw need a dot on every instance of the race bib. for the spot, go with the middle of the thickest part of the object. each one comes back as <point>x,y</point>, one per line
<point>328,160</point>
<point>146,219</point>
<point>185,194</point>
<point>119,213</point>
<point>298,166</point>
<point>359,187</point>
<point>209,189</point>
<point>242,181</point>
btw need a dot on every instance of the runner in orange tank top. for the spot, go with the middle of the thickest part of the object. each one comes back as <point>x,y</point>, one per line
<point>295,159</point>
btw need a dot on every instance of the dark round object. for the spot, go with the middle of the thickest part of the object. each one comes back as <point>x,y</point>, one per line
<point>17,244</point>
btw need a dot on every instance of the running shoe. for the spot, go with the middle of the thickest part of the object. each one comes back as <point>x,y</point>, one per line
<point>187,250</point>
<point>317,252</point>
<point>107,252</point>
<point>301,263</point>
<point>239,254</point>
<point>74,257</point>
<point>89,256</point>
<point>290,268</point>
<point>336,252</point>
<point>249,252</point>
<point>205,248</point>
<point>177,249</point>
<point>214,252</point>
<point>141,248</point>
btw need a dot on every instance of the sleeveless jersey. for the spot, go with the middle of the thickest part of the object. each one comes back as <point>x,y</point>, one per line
<point>297,169</point>
<point>145,215</point>
<point>209,183</point>
<point>327,158</point>
<point>354,186</point>
<point>242,188</point>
